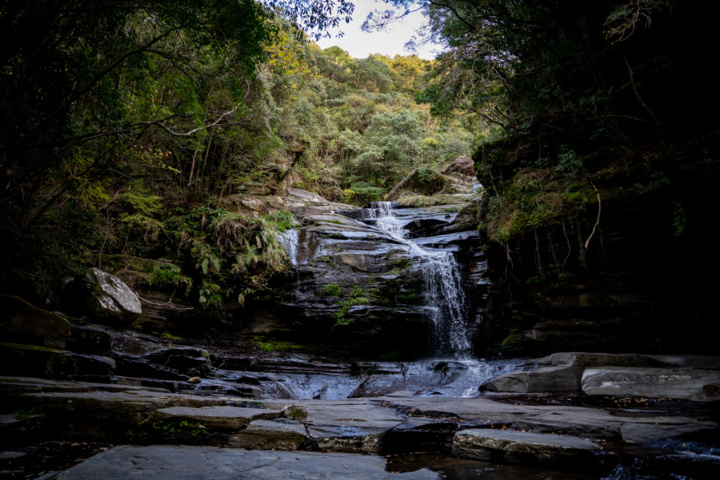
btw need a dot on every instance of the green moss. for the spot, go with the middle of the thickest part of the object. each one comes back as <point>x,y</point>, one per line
<point>269,345</point>
<point>332,290</point>
<point>293,412</point>
<point>533,198</point>
<point>513,343</point>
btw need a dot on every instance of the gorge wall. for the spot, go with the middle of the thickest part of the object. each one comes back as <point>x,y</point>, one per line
<point>620,258</point>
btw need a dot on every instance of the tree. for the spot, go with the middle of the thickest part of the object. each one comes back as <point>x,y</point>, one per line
<point>568,72</point>
<point>94,94</point>
<point>392,141</point>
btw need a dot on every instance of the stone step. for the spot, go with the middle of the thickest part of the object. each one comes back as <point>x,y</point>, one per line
<point>524,448</point>
<point>217,417</point>
<point>270,435</point>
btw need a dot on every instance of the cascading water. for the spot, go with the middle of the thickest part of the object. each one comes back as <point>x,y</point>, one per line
<point>443,292</point>
<point>289,240</point>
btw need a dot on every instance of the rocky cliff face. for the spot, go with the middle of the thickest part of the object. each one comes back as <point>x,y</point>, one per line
<point>619,260</point>
<point>360,288</point>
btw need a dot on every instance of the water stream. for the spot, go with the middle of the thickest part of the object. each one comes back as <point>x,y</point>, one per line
<point>443,289</point>
<point>289,240</point>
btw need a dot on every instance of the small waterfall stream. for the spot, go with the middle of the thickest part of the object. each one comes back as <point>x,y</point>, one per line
<point>443,291</point>
<point>289,240</point>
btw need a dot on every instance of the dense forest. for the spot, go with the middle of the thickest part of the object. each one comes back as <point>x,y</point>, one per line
<point>126,125</point>
<point>227,252</point>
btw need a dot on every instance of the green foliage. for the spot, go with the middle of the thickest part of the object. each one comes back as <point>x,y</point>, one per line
<point>332,290</point>
<point>343,308</point>
<point>169,277</point>
<point>678,219</point>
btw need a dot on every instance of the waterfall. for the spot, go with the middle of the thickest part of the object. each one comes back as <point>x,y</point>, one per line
<point>442,290</point>
<point>289,240</point>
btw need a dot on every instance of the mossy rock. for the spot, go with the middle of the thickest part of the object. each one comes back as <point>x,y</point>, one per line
<point>513,344</point>
<point>22,320</point>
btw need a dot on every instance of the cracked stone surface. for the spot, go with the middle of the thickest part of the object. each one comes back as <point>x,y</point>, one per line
<point>173,463</point>
<point>221,417</point>
<point>352,426</point>
<point>684,383</point>
<point>579,421</point>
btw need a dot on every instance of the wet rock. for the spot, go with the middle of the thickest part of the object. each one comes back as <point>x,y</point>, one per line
<point>576,421</point>
<point>663,428</point>
<point>270,435</point>
<point>112,298</point>
<point>668,376</point>
<point>177,363</point>
<point>357,286</point>
<point>523,448</point>
<point>418,434</point>
<point>168,385</point>
<point>91,339</point>
<point>347,426</point>
<point>214,387</point>
<point>166,462</point>
<point>679,383</point>
<point>214,417</point>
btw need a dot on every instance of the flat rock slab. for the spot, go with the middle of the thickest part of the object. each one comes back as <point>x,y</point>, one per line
<point>547,379</point>
<point>681,383</point>
<point>516,447</point>
<point>114,400</point>
<point>350,426</point>
<point>172,463</point>
<point>219,417</point>
<point>578,421</point>
<point>31,384</point>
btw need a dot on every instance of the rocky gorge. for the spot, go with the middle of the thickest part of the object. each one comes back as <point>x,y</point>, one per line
<point>375,357</point>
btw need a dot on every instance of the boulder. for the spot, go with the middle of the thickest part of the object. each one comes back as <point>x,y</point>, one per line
<point>429,182</point>
<point>524,448</point>
<point>462,166</point>
<point>22,321</point>
<point>112,299</point>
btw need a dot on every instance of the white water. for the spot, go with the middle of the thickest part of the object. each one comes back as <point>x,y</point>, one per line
<point>289,240</point>
<point>443,292</point>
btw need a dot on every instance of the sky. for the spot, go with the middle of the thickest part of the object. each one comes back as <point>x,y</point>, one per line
<point>360,44</point>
